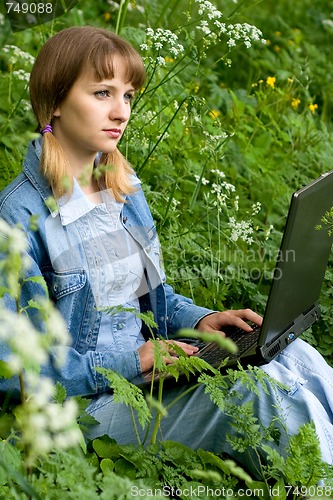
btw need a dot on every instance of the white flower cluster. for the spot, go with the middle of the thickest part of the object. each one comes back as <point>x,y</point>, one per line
<point>162,39</point>
<point>12,239</point>
<point>222,191</point>
<point>28,346</point>
<point>241,230</point>
<point>203,180</point>
<point>22,75</point>
<point>44,424</point>
<point>25,342</point>
<point>245,33</point>
<point>174,203</point>
<point>218,172</point>
<point>212,141</point>
<point>206,7</point>
<point>256,207</point>
<point>16,54</point>
<point>212,27</point>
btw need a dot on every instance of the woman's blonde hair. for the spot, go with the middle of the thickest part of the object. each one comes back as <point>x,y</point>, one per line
<point>60,62</point>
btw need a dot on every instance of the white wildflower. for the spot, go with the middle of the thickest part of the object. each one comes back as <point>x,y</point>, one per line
<point>13,237</point>
<point>42,391</point>
<point>236,203</point>
<point>228,186</point>
<point>162,39</point>
<point>268,231</point>
<point>68,438</point>
<point>241,230</point>
<point>26,343</point>
<point>203,180</point>
<point>160,61</point>
<point>231,42</point>
<point>22,75</point>
<point>204,27</point>
<point>175,203</point>
<point>42,443</point>
<point>256,207</point>
<point>17,54</point>
<point>218,172</point>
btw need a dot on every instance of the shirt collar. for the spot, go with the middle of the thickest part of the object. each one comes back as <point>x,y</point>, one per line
<point>75,207</point>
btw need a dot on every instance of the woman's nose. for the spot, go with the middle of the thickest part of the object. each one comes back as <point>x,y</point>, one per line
<point>120,110</point>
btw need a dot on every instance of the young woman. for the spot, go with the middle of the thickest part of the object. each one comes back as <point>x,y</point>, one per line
<point>99,249</point>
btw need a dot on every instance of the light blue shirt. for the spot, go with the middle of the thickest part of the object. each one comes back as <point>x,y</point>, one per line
<point>114,262</point>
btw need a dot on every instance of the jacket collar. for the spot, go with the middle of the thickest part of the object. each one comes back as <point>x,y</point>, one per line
<point>69,210</point>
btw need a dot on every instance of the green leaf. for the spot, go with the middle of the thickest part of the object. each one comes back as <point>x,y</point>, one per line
<point>107,465</point>
<point>128,393</point>
<point>5,371</point>
<point>125,468</point>
<point>60,393</point>
<point>227,466</point>
<point>105,447</point>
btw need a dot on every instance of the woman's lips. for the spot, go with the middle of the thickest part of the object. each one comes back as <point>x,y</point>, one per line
<point>115,133</point>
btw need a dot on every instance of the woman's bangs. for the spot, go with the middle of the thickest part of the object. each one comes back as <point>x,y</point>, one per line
<point>103,64</point>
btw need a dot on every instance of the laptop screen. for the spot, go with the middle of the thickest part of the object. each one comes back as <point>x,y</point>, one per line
<point>302,259</point>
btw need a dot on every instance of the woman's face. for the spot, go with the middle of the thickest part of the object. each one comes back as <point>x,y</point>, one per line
<point>93,116</point>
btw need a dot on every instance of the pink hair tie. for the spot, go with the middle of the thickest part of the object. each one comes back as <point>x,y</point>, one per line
<point>48,128</point>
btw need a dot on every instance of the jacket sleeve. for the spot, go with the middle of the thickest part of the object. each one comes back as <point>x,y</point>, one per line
<point>182,312</point>
<point>77,373</point>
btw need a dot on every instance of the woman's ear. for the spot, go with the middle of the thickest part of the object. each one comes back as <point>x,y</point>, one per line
<point>57,112</point>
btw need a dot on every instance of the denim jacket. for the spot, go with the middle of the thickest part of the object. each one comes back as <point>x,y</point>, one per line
<point>69,287</point>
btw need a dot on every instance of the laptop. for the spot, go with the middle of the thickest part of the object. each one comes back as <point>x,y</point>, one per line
<point>292,305</point>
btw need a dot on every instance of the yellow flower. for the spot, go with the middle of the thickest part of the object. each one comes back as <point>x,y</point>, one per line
<point>214,113</point>
<point>277,48</point>
<point>271,81</point>
<point>169,59</point>
<point>295,103</point>
<point>107,16</point>
<point>313,107</point>
<point>278,33</point>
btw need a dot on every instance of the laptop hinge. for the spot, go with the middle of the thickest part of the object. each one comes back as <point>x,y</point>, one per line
<point>301,323</point>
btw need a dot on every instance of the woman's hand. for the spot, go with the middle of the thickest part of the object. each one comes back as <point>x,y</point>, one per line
<point>215,322</point>
<point>146,352</point>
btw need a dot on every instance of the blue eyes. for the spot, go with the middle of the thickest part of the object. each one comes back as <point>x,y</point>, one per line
<point>103,94</point>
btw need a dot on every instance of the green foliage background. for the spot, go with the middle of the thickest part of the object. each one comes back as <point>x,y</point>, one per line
<point>220,139</point>
<point>263,137</point>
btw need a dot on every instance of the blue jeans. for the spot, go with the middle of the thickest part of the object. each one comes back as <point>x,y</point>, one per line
<point>198,423</point>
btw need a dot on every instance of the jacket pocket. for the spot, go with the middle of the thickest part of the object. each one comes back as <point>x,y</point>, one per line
<point>64,283</point>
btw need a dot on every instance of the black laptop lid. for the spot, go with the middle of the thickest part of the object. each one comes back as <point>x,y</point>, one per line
<point>302,260</point>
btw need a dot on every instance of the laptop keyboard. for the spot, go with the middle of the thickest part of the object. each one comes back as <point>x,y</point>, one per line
<point>213,354</point>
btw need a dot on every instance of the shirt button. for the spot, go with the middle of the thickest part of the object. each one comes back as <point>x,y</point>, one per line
<point>120,326</point>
